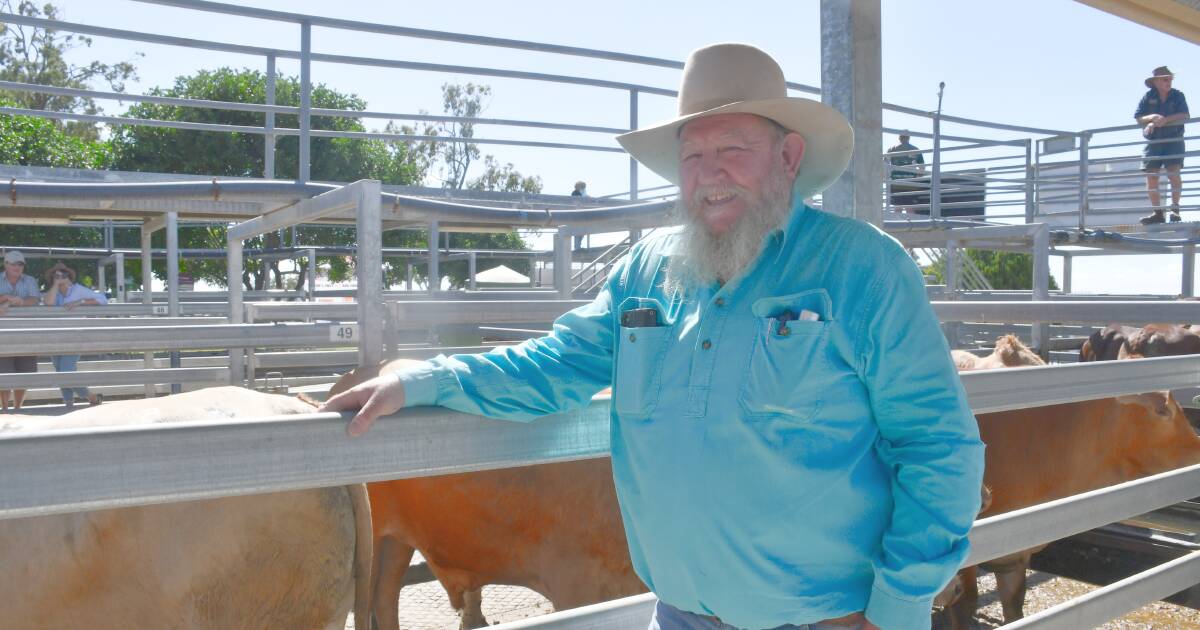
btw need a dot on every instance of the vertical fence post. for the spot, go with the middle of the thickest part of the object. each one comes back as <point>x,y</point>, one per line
<point>311,279</point>
<point>1030,176</point>
<point>233,262</point>
<point>368,266</point>
<point>1066,272</point>
<point>434,277</point>
<point>147,296</point>
<point>1083,178</point>
<point>305,99</point>
<point>269,137</point>
<point>471,271</point>
<point>562,264</point>
<point>173,281</point>
<point>120,272</point>
<point>1041,287</point>
<point>1188,288</point>
<point>101,280</point>
<point>633,165</point>
<point>951,329</point>
<point>935,182</point>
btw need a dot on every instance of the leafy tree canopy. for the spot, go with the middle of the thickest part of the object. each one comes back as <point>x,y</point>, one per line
<point>242,154</point>
<point>31,141</point>
<point>31,54</point>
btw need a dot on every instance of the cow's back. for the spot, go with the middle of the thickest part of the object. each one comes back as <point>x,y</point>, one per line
<point>275,560</point>
<point>1045,453</point>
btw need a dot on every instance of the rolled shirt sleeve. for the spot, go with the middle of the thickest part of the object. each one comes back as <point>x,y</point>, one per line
<point>928,437</point>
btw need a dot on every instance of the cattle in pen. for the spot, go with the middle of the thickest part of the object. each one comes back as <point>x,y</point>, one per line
<point>1129,342</point>
<point>1040,454</point>
<point>492,527</point>
<point>554,528</point>
<point>297,559</point>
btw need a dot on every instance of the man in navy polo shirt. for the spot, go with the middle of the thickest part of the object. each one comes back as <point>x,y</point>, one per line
<point>1159,112</point>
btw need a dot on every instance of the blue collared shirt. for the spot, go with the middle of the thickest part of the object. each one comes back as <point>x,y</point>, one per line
<point>769,471</point>
<point>76,293</point>
<point>1174,103</point>
<point>25,287</point>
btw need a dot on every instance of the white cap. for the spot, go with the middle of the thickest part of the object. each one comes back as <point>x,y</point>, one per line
<point>14,256</point>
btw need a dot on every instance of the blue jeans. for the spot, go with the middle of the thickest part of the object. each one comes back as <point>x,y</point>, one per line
<point>68,363</point>
<point>668,617</point>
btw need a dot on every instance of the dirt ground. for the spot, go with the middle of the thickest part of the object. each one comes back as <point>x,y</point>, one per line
<point>425,606</point>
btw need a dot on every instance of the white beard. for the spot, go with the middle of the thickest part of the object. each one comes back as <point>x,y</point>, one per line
<point>702,258</point>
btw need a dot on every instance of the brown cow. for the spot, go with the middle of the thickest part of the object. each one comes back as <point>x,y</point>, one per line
<point>1040,454</point>
<point>1161,340</point>
<point>284,560</point>
<point>554,528</point>
<point>1129,342</point>
<point>1106,344</point>
<point>473,534</point>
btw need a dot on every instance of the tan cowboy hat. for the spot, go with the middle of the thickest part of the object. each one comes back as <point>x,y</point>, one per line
<point>741,79</point>
<point>59,266</point>
<point>1161,71</point>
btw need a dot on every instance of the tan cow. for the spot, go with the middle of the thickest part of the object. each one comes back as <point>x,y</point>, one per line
<point>554,528</point>
<point>1009,352</point>
<point>285,560</point>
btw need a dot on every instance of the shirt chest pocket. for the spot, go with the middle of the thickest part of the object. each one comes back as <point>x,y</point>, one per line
<point>789,359</point>
<point>638,368</point>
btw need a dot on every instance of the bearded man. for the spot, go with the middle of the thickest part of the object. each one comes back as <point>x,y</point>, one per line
<point>791,446</point>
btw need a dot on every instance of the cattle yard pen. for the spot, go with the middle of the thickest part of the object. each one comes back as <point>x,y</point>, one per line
<point>990,186</point>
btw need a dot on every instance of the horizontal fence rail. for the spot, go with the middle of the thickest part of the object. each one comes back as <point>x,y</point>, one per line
<point>65,471</point>
<point>1131,313</point>
<point>100,378</point>
<point>144,338</point>
<point>175,461</point>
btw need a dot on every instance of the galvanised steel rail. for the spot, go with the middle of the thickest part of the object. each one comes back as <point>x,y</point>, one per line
<point>100,378</point>
<point>173,338</point>
<point>94,468</point>
<point>122,309</point>
<point>42,323</point>
<point>1065,311</point>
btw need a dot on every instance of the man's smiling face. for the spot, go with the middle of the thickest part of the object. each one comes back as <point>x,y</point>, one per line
<point>723,163</point>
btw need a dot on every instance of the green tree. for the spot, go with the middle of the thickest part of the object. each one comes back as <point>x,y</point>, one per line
<point>242,155</point>
<point>1003,270</point>
<point>29,54</point>
<point>31,141</point>
<point>221,153</point>
<point>504,178</point>
<point>450,161</point>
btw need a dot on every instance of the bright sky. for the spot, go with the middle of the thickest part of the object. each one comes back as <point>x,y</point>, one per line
<point>1043,63</point>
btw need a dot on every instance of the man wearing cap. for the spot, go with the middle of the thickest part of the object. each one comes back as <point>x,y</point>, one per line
<point>1159,112</point>
<point>791,445</point>
<point>16,289</point>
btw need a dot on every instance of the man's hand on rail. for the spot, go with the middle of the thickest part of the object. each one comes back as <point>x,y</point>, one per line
<point>379,396</point>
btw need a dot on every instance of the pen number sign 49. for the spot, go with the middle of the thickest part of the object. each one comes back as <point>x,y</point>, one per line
<point>344,333</point>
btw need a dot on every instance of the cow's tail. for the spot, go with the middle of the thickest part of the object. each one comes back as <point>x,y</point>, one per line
<point>363,555</point>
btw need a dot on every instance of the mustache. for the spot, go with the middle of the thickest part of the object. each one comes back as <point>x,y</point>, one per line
<point>700,195</point>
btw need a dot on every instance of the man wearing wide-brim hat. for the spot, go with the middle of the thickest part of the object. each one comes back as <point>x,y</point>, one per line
<point>790,442</point>
<point>1160,112</point>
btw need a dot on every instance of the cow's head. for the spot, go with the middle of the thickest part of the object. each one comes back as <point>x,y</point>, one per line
<point>1013,353</point>
<point>1154,433</point>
